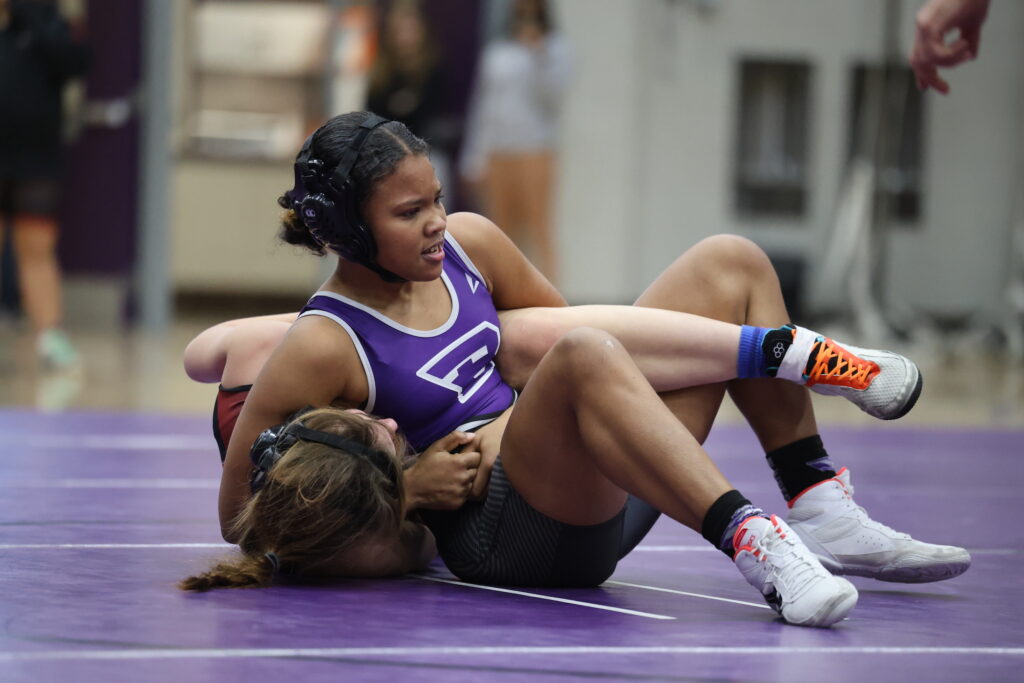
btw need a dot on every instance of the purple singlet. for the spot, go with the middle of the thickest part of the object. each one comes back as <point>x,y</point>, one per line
<point>430,382</point>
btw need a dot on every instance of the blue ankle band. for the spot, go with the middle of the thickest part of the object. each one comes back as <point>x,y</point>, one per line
<point>750,359</point>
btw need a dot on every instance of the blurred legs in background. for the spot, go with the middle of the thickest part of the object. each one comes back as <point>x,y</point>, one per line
<point>518,190</point>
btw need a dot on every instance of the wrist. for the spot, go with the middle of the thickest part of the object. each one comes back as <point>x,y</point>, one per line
<point>413,499</point>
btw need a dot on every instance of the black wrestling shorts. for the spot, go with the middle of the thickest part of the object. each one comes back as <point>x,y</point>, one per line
<point>36,197</point>
<point>504,541</point>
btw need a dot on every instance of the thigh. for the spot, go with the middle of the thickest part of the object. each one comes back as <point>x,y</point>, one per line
<point>699,282</point>
<point>544,453</point>
<point>505,541</point>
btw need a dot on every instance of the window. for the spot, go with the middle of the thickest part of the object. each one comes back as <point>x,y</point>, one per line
<point>771,151</point>
<point>886,120</point>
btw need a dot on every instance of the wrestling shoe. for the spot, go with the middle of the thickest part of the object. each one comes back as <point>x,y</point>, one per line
<point>883,384</point>
<point>773,560</point>
<point>55,350</point>
<point>847,541</point>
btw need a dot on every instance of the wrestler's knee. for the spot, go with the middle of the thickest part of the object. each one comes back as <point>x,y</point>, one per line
<point>586,355</point>
<point>731,255</point>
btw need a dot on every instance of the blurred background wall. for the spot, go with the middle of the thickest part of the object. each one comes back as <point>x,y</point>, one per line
<point>683,119</point>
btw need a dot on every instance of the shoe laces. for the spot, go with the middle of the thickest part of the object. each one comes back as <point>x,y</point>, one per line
<point>834,365</point>
<point>862,514</point>
<point>784,554</point>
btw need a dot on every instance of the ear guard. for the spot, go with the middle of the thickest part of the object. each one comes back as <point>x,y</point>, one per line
<point>274,442</point>
<point>325,201</point>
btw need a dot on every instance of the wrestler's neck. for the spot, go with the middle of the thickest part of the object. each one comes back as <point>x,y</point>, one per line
<point>358,282</point>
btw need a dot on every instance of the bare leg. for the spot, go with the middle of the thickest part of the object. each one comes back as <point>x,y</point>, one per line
<point>502,196</point>
<point>590,405</point>
<point>589,427</point>
<point>729,278</point>
<point>673,350</point>
<point>538,178</point>
<point>35,243</point>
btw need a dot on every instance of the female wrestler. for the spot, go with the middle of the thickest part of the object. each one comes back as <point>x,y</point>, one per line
<point>328,497</point>
<point>405,297</point>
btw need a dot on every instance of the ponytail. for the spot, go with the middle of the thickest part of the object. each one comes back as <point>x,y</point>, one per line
<point>245,571</point>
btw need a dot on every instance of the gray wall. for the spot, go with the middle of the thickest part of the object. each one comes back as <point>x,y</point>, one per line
<point>649,132</point>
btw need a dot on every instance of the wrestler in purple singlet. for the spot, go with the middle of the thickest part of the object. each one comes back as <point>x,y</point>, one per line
<point>430,382</point>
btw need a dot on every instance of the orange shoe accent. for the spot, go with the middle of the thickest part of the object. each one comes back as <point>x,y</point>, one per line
<point>835,366</point>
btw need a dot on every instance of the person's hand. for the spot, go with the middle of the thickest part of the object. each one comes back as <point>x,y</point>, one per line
<point>930,51</point>
<point>442,478</point>
<point>487,441</point>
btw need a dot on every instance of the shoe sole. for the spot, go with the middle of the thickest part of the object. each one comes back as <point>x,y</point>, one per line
<point>911,402</point>
<point>919,574</point>
<point>833,611</point>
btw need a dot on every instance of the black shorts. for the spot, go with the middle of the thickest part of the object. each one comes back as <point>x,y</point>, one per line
<point>32,197</point>
<point>504,541</point>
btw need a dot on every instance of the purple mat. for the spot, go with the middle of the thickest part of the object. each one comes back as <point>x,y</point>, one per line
<point>100,514</point>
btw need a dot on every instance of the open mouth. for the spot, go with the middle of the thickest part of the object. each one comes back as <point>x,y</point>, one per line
<point>434,249</point>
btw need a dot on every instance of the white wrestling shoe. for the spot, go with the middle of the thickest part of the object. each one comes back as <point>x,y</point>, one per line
<point>847,541</point>
<point>883,384</point>
<point>774,560</point>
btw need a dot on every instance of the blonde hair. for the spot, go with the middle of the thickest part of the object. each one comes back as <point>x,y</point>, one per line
<point>316,502</point>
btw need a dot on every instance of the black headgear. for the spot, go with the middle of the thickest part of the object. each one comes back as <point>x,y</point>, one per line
<point>274,442</point>
<point>325,201</point>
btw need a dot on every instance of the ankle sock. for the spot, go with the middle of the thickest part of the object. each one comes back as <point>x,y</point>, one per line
<point>763,350</point>
<point>725,516</point>
<point>800,465</point>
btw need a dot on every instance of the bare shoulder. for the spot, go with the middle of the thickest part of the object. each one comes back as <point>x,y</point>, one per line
<point>484,242</point>
<point>317,360</point>
<point>512,280</point>
<point>476,233</point>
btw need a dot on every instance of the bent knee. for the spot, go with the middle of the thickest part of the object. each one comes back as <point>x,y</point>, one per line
<point>732,250</point>
<point>585,352</point>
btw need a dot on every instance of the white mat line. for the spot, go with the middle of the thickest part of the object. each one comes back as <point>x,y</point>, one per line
<point>708,548</point>
<point>552,598</point>
<point>674,549</point>
<point>687,593</point>
<point>111,484</point>
<point>34,546</point>
<point>131,546</point>
<point>263,653</point>
<point>129,442</point>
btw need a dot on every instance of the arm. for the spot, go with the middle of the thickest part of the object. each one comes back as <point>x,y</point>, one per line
<point>316,364</point>
<point>934,20</point>
<point>553,71</point>
<point>245,344</point>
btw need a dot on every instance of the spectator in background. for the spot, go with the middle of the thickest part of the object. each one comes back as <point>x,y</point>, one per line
<point>511,141</point>
<point>934,20</point>
<point>406,81</point>
<point>37,57</point>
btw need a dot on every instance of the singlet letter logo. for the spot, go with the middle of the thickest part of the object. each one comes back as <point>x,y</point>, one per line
<point>465,364</point>
<point>473,283</point>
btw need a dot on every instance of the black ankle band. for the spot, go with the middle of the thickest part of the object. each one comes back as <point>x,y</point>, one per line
<point>800,465</point>
<point>719,515</point>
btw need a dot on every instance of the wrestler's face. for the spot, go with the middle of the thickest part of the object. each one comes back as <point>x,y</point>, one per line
<point>408,220</point>
<point>385,431</point>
